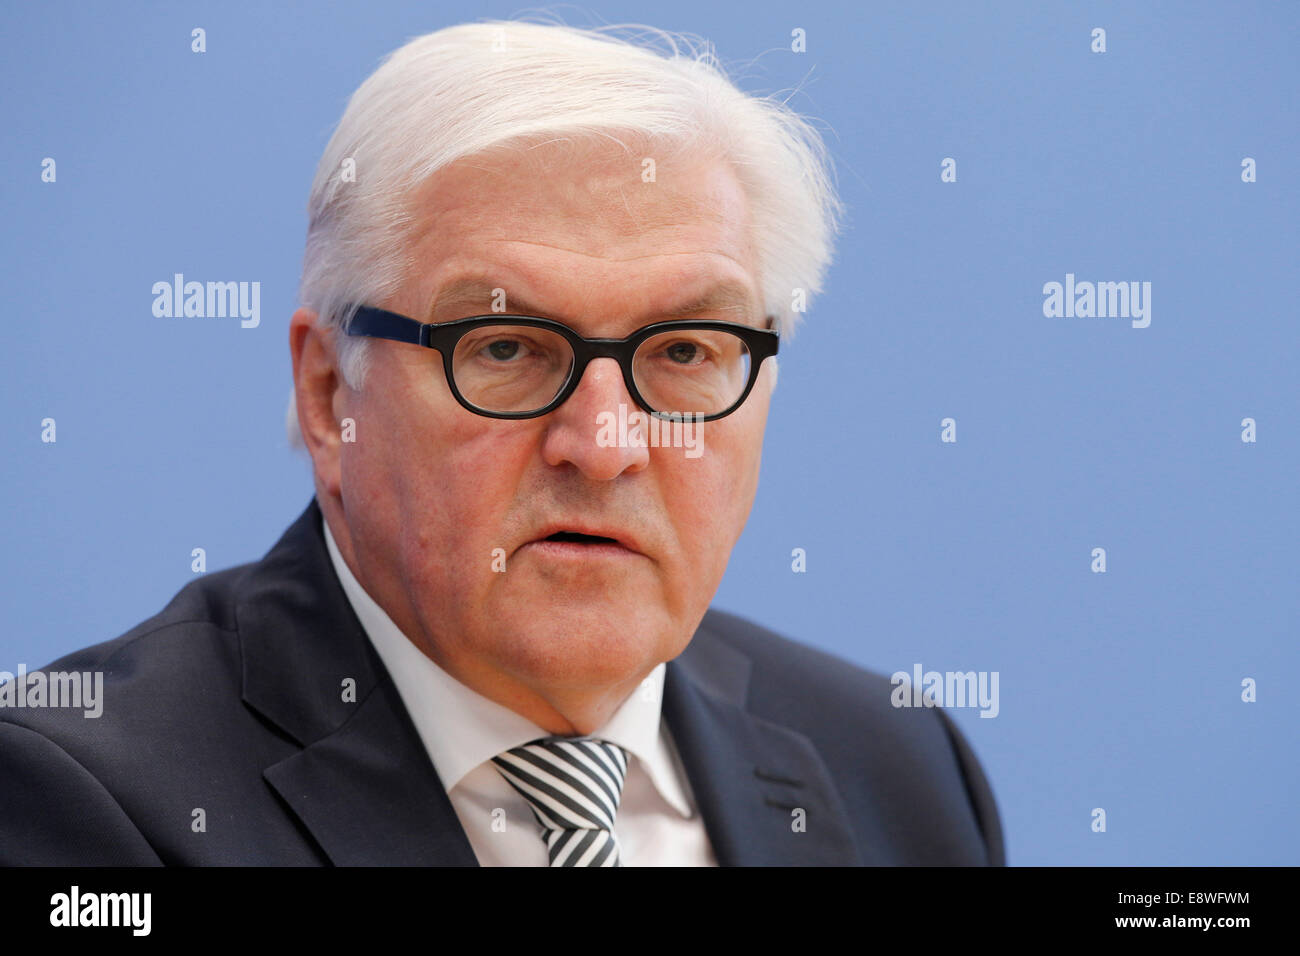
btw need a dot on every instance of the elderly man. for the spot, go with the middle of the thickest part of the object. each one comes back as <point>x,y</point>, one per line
<point>488,639</point>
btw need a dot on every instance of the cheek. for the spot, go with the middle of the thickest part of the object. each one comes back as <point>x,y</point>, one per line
<point>716,492</point>
<point>458,493</point>
<point>433,478</point>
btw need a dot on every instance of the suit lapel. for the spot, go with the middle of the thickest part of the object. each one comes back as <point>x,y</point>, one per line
<point>362,784</point>
<point>369,794</point>
<point>764,793</point>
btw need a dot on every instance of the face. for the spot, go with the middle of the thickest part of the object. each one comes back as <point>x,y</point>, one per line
<point>443,514</point>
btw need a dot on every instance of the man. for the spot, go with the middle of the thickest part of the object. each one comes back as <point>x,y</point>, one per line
<point>488,639</point>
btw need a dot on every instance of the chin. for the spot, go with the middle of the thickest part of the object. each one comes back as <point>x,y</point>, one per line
<point>586,644</point>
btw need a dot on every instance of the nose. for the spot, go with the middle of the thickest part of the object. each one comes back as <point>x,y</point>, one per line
<point>591,433</point>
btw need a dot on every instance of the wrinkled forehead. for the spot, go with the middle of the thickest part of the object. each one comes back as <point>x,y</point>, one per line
<point>530,222</point>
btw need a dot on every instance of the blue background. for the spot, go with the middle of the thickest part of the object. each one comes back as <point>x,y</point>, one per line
<point>1118,690</point>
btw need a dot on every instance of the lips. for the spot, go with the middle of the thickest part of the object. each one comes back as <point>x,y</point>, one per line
<point>586,536</point>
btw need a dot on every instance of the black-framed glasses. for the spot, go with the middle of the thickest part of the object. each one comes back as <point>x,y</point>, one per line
<point>520,366</point>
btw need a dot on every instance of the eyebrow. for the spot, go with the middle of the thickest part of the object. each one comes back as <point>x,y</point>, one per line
<point>476,294</point>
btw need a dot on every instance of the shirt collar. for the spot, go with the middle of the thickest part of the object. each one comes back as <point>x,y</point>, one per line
<point>482,728</point>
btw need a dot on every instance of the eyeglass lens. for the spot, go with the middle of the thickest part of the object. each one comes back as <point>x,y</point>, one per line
<point>519,368</point>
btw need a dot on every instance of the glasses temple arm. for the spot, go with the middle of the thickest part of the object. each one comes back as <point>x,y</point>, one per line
<point>381,324</point>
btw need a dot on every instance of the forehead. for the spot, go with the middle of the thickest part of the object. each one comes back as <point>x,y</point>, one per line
<point>556,227</point>
<point>468,294</point>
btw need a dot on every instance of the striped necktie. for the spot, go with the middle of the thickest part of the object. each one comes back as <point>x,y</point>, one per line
<point>573,786</point>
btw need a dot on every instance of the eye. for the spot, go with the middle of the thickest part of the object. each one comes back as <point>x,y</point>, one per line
<point>503,351</point>
<point>685,353</point>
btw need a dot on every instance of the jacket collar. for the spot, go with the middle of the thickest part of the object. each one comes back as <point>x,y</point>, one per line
<point>364,787</point>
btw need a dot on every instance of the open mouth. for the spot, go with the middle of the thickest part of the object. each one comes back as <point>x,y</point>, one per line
<point>574,537</point>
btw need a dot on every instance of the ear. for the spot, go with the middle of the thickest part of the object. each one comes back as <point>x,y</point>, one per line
<point>318,393</point>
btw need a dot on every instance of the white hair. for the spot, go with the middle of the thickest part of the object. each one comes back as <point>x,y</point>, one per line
<point>467,89</point>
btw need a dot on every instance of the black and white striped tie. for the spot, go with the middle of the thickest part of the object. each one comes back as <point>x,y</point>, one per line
<point>573,786</point>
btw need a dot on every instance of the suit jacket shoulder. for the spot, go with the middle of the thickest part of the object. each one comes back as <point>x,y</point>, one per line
<point>912,787</point>
<point>241,671</point>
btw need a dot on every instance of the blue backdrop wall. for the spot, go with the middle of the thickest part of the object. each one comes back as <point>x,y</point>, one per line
<point>1169,159</point>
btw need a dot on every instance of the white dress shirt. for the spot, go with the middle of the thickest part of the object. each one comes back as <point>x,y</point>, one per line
<point>657,822</point>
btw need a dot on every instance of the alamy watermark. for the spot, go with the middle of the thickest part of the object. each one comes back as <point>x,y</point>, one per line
<point>1103,300</point>
<point>946,689</point>
<point>212,300</point>
<point>82,690</point>
<point>130,910</point>
<point>637,429</point>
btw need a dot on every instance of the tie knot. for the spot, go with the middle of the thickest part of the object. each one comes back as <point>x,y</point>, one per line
<point>571,783</point>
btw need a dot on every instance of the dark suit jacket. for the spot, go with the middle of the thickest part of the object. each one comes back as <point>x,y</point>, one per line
<point>230,701</point>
